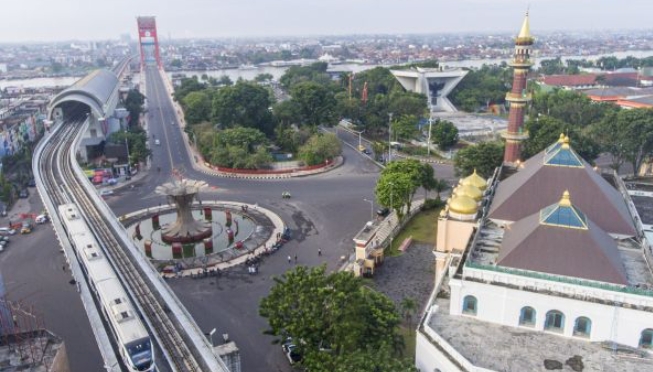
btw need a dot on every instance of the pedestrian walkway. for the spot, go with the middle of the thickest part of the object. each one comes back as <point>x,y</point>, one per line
<point>389,228</point>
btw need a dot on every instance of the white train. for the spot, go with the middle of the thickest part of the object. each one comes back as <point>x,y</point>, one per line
<point>130,334</point>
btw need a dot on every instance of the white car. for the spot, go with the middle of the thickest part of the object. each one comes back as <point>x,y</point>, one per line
<point>7,231</point>
<point>106,192</point>
<point>157,142</point>
<point>40,219</point>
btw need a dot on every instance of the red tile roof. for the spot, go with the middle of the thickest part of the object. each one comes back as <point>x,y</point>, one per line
<point>570,80</point>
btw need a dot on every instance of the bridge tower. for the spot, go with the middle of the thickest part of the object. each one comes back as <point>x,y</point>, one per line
<point>518,97</point>
<point>148,41</point>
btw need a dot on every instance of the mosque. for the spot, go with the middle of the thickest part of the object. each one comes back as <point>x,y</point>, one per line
<point>543,266</point>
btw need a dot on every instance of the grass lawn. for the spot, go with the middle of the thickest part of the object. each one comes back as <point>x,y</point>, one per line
<point>423,228</point>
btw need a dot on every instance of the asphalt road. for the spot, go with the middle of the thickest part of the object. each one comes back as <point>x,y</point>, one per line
<point>31,266</point>
<point>325,212</point>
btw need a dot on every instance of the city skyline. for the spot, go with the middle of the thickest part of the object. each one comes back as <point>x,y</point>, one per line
<point>98,20</point>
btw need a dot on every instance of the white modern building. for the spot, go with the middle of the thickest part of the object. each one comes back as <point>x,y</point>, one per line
<point>551,271</point>
<point>435,83</point>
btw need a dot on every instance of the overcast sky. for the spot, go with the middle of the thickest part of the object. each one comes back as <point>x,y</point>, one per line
<point>47,20</point>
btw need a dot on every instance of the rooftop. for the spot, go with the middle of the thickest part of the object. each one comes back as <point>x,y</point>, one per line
<point>490,238</point>
<point>29,351</point>
<point>526,350</point>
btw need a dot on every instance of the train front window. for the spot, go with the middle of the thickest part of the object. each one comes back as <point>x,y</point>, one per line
<point>140,353</point>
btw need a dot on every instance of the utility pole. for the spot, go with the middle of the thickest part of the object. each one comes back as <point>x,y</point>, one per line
<point>389,137</point>
<point>371,208</point>
<point>429,140</point>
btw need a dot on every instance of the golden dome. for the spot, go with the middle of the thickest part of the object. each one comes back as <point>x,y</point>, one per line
<point>462,204</point>
<point>562,138</point>
<point>470,191</point>
<point>566,200</point>
<point>475,180</point>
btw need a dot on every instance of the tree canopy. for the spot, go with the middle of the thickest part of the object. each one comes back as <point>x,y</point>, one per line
<point>400,180</point>
<point>444,133</point>
<point>336,311</point>
<point>484,157</point>
<point>544,131</point>
<point>627,135</point>
<point>319,148</point>
<point>246,104</point>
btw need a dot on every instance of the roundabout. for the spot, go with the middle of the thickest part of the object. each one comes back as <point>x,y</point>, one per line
<point>238,230</point>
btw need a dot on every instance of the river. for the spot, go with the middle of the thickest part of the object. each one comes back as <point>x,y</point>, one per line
<point>277,72</point>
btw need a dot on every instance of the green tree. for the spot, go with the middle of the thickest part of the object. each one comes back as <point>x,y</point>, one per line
<point>487,85</point>
<point>314,104</point>
<point>627,135</point>
<point>408,307</point>
<point>319,148</point>
<point>393,191</point>
<point>134,105</point>
<point>484,157</point>
<point>405,128</point>
<point>263,78</point>
<point>136,139</point>
<point>544,131</point>
<point>419,174</point>
<point>197,107</point>
<point>225,81</point>
<point>444,133</point>
<point>176,63</point>
<point>188,85</point>
<point>331,309</point>
<point>246,104</point>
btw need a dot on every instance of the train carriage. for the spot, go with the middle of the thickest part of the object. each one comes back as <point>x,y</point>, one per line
<point>130,334</point>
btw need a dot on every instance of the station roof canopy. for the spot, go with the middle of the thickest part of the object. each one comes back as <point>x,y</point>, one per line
<point>97,90</point>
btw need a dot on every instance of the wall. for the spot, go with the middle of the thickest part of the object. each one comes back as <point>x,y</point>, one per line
<point>502,305</point>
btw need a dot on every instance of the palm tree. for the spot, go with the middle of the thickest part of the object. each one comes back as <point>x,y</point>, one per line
<point>408,306</point>
<point>440,186</point>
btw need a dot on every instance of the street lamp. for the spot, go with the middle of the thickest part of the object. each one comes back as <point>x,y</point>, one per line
<point>392,189</point>
<point>428,144</point>
<point>371,208</point>
<point>211,337</point>
<point>389,136</point>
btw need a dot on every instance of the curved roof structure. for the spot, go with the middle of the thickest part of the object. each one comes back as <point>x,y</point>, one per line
<point>97,90</point>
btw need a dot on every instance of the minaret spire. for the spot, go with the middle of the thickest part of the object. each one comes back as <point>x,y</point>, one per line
<point>518,97</point>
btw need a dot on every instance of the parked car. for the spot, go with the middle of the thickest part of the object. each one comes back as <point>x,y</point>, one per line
<point>23,194</point>
<point>7,231</point>
<point>25,230</point>
<point>31,183</point>
<point>383,212</point>
<point>112,181</point>
<point>41,219</point>
<point>106,192</point>
<point>157,142</point>
<point>290,351</point>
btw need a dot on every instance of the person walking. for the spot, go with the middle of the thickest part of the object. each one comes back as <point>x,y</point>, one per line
<point>289,259</point>
<point>319,251</point>
<point>295,258</point>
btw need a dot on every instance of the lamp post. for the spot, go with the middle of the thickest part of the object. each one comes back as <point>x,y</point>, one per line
<point>392,189</point>
<point>428,144</point>
<point>371,208</point>
<point>389,136</point>
<point>211,337</point>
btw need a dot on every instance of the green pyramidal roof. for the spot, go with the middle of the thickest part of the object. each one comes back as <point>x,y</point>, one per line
<point>563,214</point>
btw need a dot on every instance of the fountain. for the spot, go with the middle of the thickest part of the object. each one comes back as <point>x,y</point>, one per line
<point>185,229</point>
